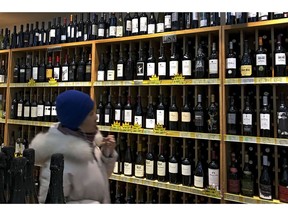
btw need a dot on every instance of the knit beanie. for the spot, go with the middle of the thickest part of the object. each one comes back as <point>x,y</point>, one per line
<point>72,107</point>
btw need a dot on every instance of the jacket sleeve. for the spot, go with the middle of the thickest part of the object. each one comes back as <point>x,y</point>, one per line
<point>109,162</point>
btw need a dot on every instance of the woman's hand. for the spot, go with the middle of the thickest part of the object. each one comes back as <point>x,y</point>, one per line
<point>108,145</point>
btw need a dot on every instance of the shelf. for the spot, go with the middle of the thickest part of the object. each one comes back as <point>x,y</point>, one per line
<point>46,84</point>
<point>2,120</point>
<point>3,85</point>
<point>249,200</point>
<point>30,123</point>
<point>168,133</point>
<point>257,140</point>
<point>6,51</point>
<point>256,80</point>
<point>163,185</point>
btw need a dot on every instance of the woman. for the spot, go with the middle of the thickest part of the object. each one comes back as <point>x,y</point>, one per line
<point>88,157</point>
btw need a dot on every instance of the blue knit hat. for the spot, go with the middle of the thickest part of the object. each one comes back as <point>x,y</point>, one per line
<point>72,107</point>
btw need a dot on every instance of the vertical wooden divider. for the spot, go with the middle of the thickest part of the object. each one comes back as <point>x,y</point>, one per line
<point>8,97</point>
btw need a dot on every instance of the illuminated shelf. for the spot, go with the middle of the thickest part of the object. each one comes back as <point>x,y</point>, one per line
<point>2,120</point>
<point>6,51</point>
<point>256,80</point>
<point>46,84</point>
<point>163,185</point>
<point>251,200</point>
<point>30,123</point>
<point>168,133</point>
<point>3,85</point>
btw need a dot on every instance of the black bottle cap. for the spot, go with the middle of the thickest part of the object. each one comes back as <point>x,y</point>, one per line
<point>8,151</point>
<point>57,162</point>
<point>29,154</point>
<point>2,160</point>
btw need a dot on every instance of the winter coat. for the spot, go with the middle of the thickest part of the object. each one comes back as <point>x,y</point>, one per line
<point>85,180</point>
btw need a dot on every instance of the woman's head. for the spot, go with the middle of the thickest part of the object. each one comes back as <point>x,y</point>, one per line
<point>75,110</point>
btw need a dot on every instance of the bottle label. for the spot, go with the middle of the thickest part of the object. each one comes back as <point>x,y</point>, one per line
<point>35,73</point>
<point>100,76</point>
<point>143,24</point>
<point>203,22</point>
<point>56,73</point>
<point>247,186</point>
<point>252,14</point>
<point>40,110</point>
<point>110,75</point>
<point>140,69</point>
<point>53,111</point>
<point>173,167</point>
<point>186,68</point>
<point>246,70</point>
<point>52,33</point>
<point>280,59</point>
<point>88,69</point>
<point>160,27</point>
<point>264,121</point>
<point>213,178</point>
<point>63,37</point>
<point>39,38</point>
<point>195,16</point>
<point>186,170</point>
<point>199,65</point>
<point>98,117</point>
<point>2,78</point>
<point>234,186</point>
<point>199,122</point>
<point>261,59</point>
<point>213,66</point>
<point>94,30</point>
<point>231,63</point>
<point>47,111</point>
<point>128,116</point>
<point>151,28</point>
<point>135,26</point>
<point>173,116</point>
<point>49,73</point>
<point>282,121</point>
<point>138,120</point>
<point>26,111</point>
<point>119,70</point>
<point>167,21</point>
<point>150,69</point>
<point>150,123</point>
<point>247,119</point>
<point>19,110</point>
<point>185,117</point>
<point>106,118</point>
<point>139,170</point>
<point>161,168</point>
<point>127,168</point>
<point>112,31</point>
<point>65,73</point>
<point>161,68</point>
<point>116,167</point>
<point>173,68</point>
<point>149,166</point>
<point>33,112</point>
<point>117,115</point>
<point>160,117</point>
<point>129,25</point>
<point>265,191</point>
<point>231,118</point>
<point>199,181</point>
<point>283,193</point>
<point>119,31</point>
<point>101,32</point>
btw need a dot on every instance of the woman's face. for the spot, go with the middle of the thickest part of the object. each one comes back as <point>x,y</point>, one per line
<point>89,124</point>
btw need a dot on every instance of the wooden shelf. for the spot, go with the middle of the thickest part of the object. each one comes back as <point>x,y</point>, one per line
<point>2,121</point>
<point>46,84</point>
<point>3,85</point>
<point>256,80</point>
<point>251,200</point>
<point>30,123</point>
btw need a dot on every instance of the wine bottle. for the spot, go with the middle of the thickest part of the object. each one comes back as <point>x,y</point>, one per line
<point>127,25</point>
<point>72,69</point>
<point>213,63</point>
<point>2,177</point>
<point>16,71</point>
<point>173,62</point>
<point>53,108</point>
<point>81,68</point>
<point>213,116</point>
<point>241,17</point>
<point>167,22</point>
<point>200,63</point>
<point>26,36</point>
<point>101,69</point>
<point>173,115</point>
<point>213,172</point>
<point>252,16</point>
<point>265,181</point>
<point>40,108</point>
<point>128,111</point>
<point>139,165</point>
<point>47,110</point>
<point>135,24</point>
<point>175,22</point>
<point>28,72</point>
<point>162,70</point>
<point>161,165</point>
<point>111,67</point>
<point>129,68</point>
<point>128,163</point>
<point>187,63</point>
<point>19,144</point>
<point>150,115</point>
<point>120,66</point>
<point>63,31</point>
<point>119,28</point>
<point>57,69</point>
<point>283,183</point>
<point>199,115</point>
<point>35,69</point>
<point>14,38</point>
<point>94,27</point>
<point>138,114</point>
<point>230,18</point>
<point>232,118</point>
<point>65,70</point>
<point>42,35</point>
<point>186,116</point>
<point>280,58</point>
<point>173,165</point>
<point>73,29</point>
<point>233,176</point>
<point>20,107</point>
<point>151,63</point>
<point>247,119</point>
<point>118,166</point>
<point>195,20</point>
<point>49,69</point>
<point>14,106</point>
<point>108,110</point>
<point>112,26</point>
<point>42,71</point>
<point>261,60</point>
<point>265,117</point>
<point>100,111</point>
<point>141,66</point>
<point>151,24</point>
<point>160,23</point>
<point>118,111</point>
<point>88,68</point>
<point>199,174</point>
<point>33,108</point>
<point>282,118</point>
<point>247,180</point>
<point>143,22</point>
<point>150,163</point>
<point>55,194</point>
<point>231,63</point>
<point>58,31</point>
<point>186,169</point>
<point>204,19</point>
<point>246,62</point>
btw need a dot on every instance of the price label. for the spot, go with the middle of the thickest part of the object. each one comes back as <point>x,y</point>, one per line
<point>263,80</point>
<point>185,134</point>
<point>199,81</point>
<point>173,187</point>
<point>231,81</point>
<point>97,83</point>
<point>282,141</point>
<point>249,80</point>
<point>117,83</point>
<point>138,82</point>
<point>169,38</point>
<point>265,140</point>
<point>128,83</point>
<point>214,137</point>
<point>249,139</point>
<point>232,138</point>
<point>280,79</point>
<point>54,49</point>
<point>199,136</point>
<point>213,81</point>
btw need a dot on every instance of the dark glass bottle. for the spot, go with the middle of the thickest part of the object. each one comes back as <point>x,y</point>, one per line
<point>150,115</point>
<point>58,31</point>
<point>150,163</point>
<point>20,107</point>
<point>151,63</point>
<point>282,118</point>
<point>167,21</point>
<point>22,71</point>
<point>42,35</point>
<point>186,116</point>
<point>247,180</point>
<point>73,29</point>
<point>129,68</point>
<point>101,27</point>
<point>40,108</point>
<point>152,23</point>
<point>101,69</point>
<point>204,19</point>
<point>42,71</point>
<point>173,61</point>
<point>118,111</point>
<point>199,174</point>
<point>108,110</point>
<point>34,108</point>
<point>118,167</point>
<point>175,22</point>
<point>2,177</point>
<point>252,16</point>
<point>139,165</point>
<point>231,62</point>
<point>94,27</point>
<point>135,24</point>
<point>16,71</point>
<point>195,20</point>
<point>138,114</point>
<point>173,115</point>
<point>246,62</point>
<point>213,62</point>
<point>88,68</point>
<point>160,23</point>
<point>162,69</point>
<point>200,63</point>
<point>14,106</point>
<point>265,117</point>
<point>111,67</point>
<point>173,171</point>
<point>186,170</point>
<point>119,28</point>
<point>161,165</point>
<point>14,38</point>
<point>20,42</point>
<point>213,172</point>
<point>80,28</point>
<point>49,69</point>
<point>57,69</point>
<point>143,23</point>
<point>261,60</point>
<point>112,26</point>
<point>213,116</point>
<point>283,183</point>
<point>128,163</point>
<point>26,36</point>
<point>127,25</point>
<point>187,63</point>
<point>199,115</point>
<point>64,70</point>
<point>55,194</point>
<point>128,118</point>
<point>247,118</point>
<point>230,18</point>
<point>47,110</point>
<point>120,66</point>
<point>280,59</point>
<point>72,69</point>
<point>81,68</point>
<point>141,66</point>
<point>100,113</point>
<point>265,181</point>
<point>232,118</point>
<point>233,176</point>
<point>53,107</point>
<point>63,31</point>
<point>35,69</point>
<point>161,113</point>
<point>28,72</point>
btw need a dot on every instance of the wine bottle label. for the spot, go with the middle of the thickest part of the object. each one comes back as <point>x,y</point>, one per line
<point>247,119</point>
<point>49,73</point>
<point>186,68</point>
<point>198,181</point>
<point>213,178</point>
<point>246,70</point>
<point>150,123</point>
<point>98,117</point>
<point>117,115</point>
<point>149,166</point>
<point>68,31</point>
<point>283,193</point>
<point>129,25</point>
<point>213,66</point>
<point>56,73</point>
<point>252,14</point>
<point>47,110</point>
<point>139,170</point>
<point>173,68</point>
<point>280,59</point>
<point>160,116</point>
<point>247,186</point>
<point>151,28</point>
<point>72,32</point>
<point>40,110</point>
<point>65,73</point>
<point>111,75</point>
<point>186,170</point>
<point>39,38</point>
<point>135,26</point>
<point>26,111</point>
<point>140,69</point>
<point>128,116</point>
<point>264,121</point>
<point>33,112</point>
<point>52,33</point>
<point>173,116</point>
<point>160,27</point>
<point>231,118</point>
<point>199,121</point>
<point>195,16</point>
<point>63,37</point>
<point>101,32</point>
<point>100,76</point>
<point>231,63</point>
<point>150,69</point>
<point>94,30</point>
<point>2,78</point>
<point>19,110</point>
<point>88,69</point>
<point>265,191</point>
<point>167,21</point>
<point>261,59</point>
<point>162,69</point>
<point>127,168</point>
<point>161,168</point>
<point>119,31</point>
<point>53,111</point>
<point>34,73</point>
<point>173,167</point>
<point>138,120</point>
<point>116,167</point>
<point>185,117</point>
<point>143,23</point>
<point>234,186</point>
<point>106,118</point>
<point>282,121</point>
<point>199,65</point>
<point>119,70</point>
<point>203,22</point>
<point>112,31</point>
